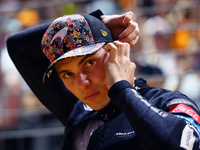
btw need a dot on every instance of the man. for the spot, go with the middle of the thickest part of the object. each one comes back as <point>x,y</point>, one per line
<point>25,51</point>
<point>113,110</point>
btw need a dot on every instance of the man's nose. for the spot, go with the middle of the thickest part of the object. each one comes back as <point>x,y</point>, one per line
<point>83,80</point>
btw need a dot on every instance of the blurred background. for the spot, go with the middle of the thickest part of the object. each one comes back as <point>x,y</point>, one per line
<point>167,56</point>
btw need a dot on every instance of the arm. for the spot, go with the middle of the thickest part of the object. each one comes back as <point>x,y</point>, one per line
<point>155,129</point>
<point>25,51</point>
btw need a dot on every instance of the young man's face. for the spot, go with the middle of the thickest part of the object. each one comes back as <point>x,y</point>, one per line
<point>85,77</point>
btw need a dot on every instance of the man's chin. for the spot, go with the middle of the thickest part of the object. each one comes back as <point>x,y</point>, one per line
<point>100,106</point>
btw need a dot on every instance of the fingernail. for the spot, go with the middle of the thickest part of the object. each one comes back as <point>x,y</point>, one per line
<point>108,50</point>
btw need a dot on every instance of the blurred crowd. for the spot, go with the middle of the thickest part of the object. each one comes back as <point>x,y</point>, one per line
<point>169,45</point>
<point>167,54</point>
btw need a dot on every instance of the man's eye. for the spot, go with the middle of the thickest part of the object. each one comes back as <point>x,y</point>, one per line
<point>67,75</point>
<point>90,63</point>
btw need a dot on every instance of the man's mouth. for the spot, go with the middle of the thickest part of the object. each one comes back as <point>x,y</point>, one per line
<point>91,96</point>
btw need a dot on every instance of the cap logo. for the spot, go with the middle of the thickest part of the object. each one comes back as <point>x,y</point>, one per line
<point>104,33</point>
<point>62,33</point>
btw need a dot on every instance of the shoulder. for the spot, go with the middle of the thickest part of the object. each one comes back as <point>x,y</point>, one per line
<point>163,98</point>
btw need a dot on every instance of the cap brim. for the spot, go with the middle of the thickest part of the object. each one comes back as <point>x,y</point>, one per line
<point>81,51</point>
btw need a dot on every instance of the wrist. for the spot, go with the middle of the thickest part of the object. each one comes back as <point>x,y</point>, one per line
<point>118,87</point>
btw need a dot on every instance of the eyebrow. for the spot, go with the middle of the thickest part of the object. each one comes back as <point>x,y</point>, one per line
<point>84,58</point>
<point>81,61</point>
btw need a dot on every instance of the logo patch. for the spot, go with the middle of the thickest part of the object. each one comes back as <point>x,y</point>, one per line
<point>182,108</point>
<point>188,138</point>
<point>120,134</point>
<point>104,33</point>
<point>61,34</point>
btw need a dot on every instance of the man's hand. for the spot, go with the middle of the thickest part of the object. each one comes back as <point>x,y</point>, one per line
<point>122,27</point>
<point>119,67</point>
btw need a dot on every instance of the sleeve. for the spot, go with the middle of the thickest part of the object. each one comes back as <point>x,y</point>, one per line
<point>25,51</point>
<point>155,129</point>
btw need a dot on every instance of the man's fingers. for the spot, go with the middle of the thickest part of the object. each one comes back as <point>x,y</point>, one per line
<point>132,39</point>
<point>128,17</point>
<point>133,42</point>
<point>112,49</point>
<point>131,34</point>
<point>123,49</point>
<point>131,28</point>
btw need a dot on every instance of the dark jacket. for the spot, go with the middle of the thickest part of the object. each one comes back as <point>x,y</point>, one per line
<point>137,118</point>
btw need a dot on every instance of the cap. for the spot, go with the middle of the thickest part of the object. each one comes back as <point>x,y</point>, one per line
<point>71,36</point>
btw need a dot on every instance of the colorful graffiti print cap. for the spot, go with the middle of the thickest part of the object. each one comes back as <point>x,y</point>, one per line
<point>71,36</point>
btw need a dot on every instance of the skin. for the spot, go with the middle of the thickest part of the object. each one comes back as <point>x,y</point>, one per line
<point>85,77</point>
<point>122,27</point>
<point>90,77</point>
